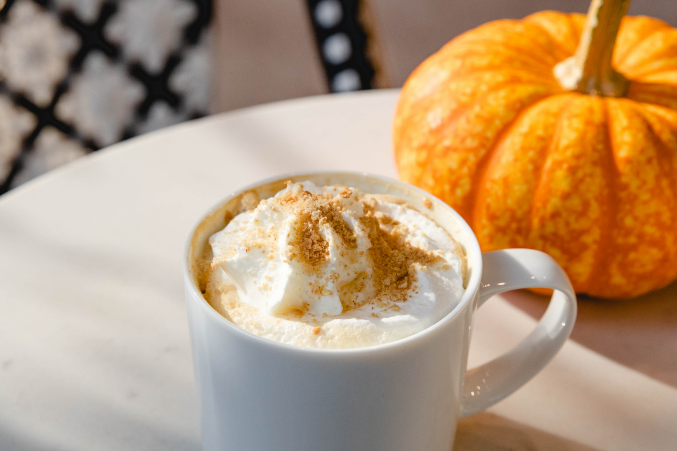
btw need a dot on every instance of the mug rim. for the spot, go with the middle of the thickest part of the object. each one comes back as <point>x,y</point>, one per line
<point>473,249</point>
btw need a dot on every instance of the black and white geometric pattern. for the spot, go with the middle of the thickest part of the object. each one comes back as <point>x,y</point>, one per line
<point>342,40</point>
<point>78,75</point>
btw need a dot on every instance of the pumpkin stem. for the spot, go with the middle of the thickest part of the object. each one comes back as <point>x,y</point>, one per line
<point>589,70</point>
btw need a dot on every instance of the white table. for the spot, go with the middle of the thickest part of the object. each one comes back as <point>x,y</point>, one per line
<point>94,351</point>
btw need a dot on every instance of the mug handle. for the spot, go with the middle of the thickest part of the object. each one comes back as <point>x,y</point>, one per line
<point>512,269</point>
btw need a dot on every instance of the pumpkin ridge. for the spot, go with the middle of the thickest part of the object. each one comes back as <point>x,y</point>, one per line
<point>545,51</point>
<point>641,71</point>
<point>536,79</point>
<point>430,163</point>
<point>649,117</point>
<point>571,191</point>
<point>654,212</point>
<point>412,104</point>
<point>556,43</point>
<point>651,77</point>
<point>462,109</point>
<point>479,33</point>
<point>567,19</point>
<point>423,102</point>
<point>646,66</point>
<point>479,178</point>
<point>530,78</point>
<point>483,42</point>
<point>618,59</point>
<point>541,170</point>
<point>665,152</point>
<point>646,93</point>
<point>473,38</point>
<point>575,29</point>
<point>633,29</point>
<point>611,176</point>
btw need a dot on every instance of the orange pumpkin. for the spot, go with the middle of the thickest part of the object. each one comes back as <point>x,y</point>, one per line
<point>543,143</point>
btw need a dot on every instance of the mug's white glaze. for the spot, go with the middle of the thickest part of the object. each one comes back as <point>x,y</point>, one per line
<point>257,394</point>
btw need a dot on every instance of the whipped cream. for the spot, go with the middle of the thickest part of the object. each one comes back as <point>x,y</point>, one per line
<point>332,267</point>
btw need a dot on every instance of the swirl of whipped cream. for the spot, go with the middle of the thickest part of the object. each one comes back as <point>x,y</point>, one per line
<point>286,255</point>
<point>324,251</point>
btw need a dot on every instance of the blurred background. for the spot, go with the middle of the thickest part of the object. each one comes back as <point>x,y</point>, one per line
<point>79,75</point>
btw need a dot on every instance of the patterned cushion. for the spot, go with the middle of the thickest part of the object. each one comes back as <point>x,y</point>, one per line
<point>349,50</point>
<point>78,75</point>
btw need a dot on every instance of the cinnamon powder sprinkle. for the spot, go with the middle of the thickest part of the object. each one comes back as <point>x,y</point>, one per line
<point>391,258</point>
<point>313,210</point>
<point>299,312</point>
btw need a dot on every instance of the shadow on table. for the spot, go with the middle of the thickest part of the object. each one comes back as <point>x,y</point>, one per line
<point>16,441</point>
<point>88,371</point>
<point>490,432</point>
<point>639,333</point>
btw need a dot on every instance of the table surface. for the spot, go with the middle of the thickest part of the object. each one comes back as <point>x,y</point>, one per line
<point>94,347</point>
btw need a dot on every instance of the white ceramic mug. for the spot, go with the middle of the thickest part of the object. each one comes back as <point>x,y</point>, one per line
<point>260,395</point>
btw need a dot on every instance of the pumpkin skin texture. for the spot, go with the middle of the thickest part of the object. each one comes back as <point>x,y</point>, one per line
<point>484,125</point>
